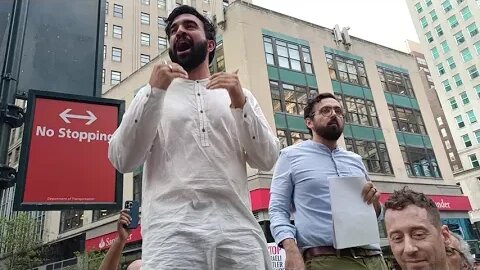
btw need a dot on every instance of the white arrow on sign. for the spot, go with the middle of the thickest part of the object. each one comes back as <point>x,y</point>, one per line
<point>90,117</point>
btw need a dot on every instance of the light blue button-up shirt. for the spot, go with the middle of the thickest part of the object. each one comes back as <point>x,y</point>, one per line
<point>300,185</point>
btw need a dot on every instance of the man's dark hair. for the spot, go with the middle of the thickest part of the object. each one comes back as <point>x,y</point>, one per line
<point>400,199</point>
<point>308,110</point>
<point>208,26</point>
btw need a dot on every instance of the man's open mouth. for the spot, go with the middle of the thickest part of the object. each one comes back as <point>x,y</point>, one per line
<point>183,46</point>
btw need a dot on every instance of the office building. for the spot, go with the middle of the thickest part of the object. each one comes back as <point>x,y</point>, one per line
<point>449,36</point>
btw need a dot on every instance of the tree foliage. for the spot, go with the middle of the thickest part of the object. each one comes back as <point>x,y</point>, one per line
<point>87,260</point>
<point>19,246</point>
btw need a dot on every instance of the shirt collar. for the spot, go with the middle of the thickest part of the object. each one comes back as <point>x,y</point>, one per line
<point>323,147</point>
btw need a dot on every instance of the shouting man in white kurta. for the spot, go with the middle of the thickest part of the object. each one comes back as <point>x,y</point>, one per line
<point>194,133</point>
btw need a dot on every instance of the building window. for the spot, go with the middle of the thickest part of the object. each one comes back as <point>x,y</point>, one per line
<point>466,140</point>
<point>471,117</point>
<point>429,78</point>
<point>466,13</point>
<point>106,30</point>
<point>443,132</point>
<point>459,37</point>
<point>434,52</point>
<point>144,18</point>
<point>346,70</point>
<point>106,7</point>
<point>218,63</point>
<point>459,121</point>
<point>162,43</point>
<point>439,30</point>
<point>477,135</point>
<point>447,6</point>
<point>453,21</point>
<point>477,47</point>
<point>433,15</point>
<point>144,59</point>
<point>418,7</point>
<point>429,37</point>
<point>464,97</point>
<point>477,90</point>
<point>423,22</point>
<point>447,145</point>
<point>474,160</point>
<point>420,162</point>
<point>472,29</point>
<point>395,82</point>
<point>116,54</point>
<point>117,11</point>
<point>117,31</point>
<point>421,61</point>
<point>451,63</point>
<point>288,137</point>
<point>374,155</point>
<point>407,120</point>
<point>290,98</point>
<point>440,69</point>
<point>446,85</point>
<point>428,2</point>
<point>161,22</point>
<point>104,51</point>
<point>359,111</point>
<point>473,72</point>
<point>101,214</point>
<point>161,4</point>
<point>439,121</point>
<point>103,76</point>
<point>287,55</point>
<point>70,219</point>
<point>146,2</point>
<point>445,46</point>
<point>466,55</point>
<point>457,79</point>
<point>453,103</point>
<point>16,154</point>
<point>115,77</point>
<point>145,39</point>
<point>137,187</point>
<point>452,156</point>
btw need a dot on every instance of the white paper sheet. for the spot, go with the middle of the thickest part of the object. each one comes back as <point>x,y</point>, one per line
<point>354,221</point>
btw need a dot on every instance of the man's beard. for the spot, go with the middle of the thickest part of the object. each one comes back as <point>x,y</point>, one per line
<point>329,132</point>
<point>197,55</point>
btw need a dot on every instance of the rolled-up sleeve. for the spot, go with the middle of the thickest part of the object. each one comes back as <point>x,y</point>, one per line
<point>133,139</point>
<point>281,193</point>
<point>260,144</point>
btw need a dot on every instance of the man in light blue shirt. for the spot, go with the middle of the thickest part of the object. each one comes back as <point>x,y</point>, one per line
<point>300,185</point>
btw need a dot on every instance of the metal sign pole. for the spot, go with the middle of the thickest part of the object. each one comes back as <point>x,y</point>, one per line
<point>11,116</point>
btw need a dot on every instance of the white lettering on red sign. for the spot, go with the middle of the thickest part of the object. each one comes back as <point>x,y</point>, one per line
<point>67,133</point>
<point>442,204</point>
<point>106,242</point>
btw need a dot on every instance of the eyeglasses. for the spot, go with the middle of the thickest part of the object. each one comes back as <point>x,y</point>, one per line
<point>327,111</point>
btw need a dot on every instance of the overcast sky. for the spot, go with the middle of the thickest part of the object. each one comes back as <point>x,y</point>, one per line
<point>386,22</point>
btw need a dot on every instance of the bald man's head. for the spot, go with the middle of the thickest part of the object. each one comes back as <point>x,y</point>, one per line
<point>135,265</point>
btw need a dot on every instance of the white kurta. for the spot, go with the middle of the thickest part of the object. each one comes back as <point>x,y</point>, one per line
<point>196,211</point>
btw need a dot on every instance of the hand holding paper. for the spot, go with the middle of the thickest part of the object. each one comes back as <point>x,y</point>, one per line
<point>354,221</point>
